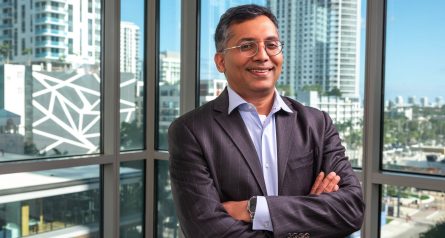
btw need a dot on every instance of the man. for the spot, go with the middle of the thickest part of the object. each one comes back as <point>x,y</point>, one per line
<point>252,163</point>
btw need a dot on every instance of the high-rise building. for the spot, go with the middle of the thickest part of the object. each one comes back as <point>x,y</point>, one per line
<point>439,101</point>
<point>129,47</point>
<point>424,102</point>
<point>322,39</point>
<point>169,67</point>
<point>412,100</point>
<point>53,33</point>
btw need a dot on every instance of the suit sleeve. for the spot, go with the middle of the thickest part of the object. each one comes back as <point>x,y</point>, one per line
<point>197,202</point>
<point>335,214</point>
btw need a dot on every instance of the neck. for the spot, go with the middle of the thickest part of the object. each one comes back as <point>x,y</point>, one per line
<point>263,103</point>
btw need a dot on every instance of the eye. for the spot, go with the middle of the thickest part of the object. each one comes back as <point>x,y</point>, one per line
<point>272,45</point>
<point>248,46</point>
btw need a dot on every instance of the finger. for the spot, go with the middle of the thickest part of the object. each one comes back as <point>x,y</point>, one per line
<point>325,183</point>
<point>336,188</point>
<point>317,182</point>
<point>332,184</point>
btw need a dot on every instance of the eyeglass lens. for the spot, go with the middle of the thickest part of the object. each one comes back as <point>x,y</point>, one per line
<point>251,48</point>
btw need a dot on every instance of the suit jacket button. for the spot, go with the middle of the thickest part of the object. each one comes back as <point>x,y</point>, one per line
<point>292,235</point>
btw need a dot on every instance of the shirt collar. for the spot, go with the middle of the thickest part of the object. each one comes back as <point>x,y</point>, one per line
<point>236,100</point>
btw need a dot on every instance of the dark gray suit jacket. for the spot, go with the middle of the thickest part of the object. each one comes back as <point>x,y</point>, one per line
<point>213,160</point>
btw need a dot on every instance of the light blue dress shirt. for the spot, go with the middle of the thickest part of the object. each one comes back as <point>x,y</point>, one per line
<point>262,131</point>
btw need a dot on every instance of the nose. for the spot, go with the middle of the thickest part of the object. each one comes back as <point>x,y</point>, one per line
<point>261,55</point>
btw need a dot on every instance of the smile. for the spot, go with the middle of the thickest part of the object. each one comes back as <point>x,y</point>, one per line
<point>259,70</point>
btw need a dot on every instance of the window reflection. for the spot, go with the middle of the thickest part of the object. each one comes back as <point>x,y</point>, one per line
<point>51,203</point>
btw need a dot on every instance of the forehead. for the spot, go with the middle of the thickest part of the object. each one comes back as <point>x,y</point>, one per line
<point>258,28</point>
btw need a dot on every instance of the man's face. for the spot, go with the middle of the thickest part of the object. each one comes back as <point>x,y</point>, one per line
<point>255,76</point>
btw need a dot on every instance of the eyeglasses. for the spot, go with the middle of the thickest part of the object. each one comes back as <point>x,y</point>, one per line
<point>250,48</point>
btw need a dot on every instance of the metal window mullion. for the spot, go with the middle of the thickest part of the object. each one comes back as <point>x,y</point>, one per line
<point>52,163</point>
<point>151,21</point>
<point>111,117</point>
<point>372,117</point>
<point>189,55</point>
<point>425,182</point>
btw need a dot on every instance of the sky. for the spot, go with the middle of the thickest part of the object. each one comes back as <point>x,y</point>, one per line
<point>414,51</point>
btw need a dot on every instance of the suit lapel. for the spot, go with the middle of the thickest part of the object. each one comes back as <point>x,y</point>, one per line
<point>233,125</point>
<point>286,125</point>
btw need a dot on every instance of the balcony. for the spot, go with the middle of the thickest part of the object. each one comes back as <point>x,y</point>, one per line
<point>6,15</point>
<point>5,37</point>
<point>50,20</point>
<point>48,55</point>
<point>51,9</point>
<point>51,32</point>
<point>6,4</point>
<point>49,43</point>
<point>5,26</point>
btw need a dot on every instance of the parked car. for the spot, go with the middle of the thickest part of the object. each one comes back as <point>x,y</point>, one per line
<point>431,158</point>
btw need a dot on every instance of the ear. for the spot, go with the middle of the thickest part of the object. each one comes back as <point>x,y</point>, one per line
<point>219,62</point>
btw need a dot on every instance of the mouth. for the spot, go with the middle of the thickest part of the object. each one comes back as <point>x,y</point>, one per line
<point>260,70</point>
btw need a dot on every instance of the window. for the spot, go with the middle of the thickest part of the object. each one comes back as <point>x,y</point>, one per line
<point>58,167</point>
<point>168,109</point>
<point>132,76</point>
<point>408,211</point>
<point>169,68</point>
<point>52,108</point>
<point>50,200</point>
<point>132,190</point>
<point>414,111</point>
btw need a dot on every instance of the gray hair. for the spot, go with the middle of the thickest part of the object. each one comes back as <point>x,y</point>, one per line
<point>236,15</point>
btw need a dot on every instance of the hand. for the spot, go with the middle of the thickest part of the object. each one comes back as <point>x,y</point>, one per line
<point>237,210</point>
<point>325,184</point>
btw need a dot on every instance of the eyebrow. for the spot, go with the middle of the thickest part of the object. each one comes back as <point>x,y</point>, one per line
<point>253,39</point>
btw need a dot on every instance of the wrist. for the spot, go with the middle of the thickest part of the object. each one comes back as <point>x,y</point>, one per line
<point>251,207</point>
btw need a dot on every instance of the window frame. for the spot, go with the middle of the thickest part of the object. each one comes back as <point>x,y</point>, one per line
<point>371,175</point>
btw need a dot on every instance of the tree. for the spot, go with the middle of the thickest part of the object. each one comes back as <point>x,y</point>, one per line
<point>437,231</point>
<point>284,89</point>
<point>334,92</point>
<point>313,87</point>
<point>5,52</point>
<point>131,135</point>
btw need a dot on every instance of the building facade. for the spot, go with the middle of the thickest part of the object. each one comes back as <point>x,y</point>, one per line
<point>54,33</point>
<point>129,48</point>
<point>321,44</point>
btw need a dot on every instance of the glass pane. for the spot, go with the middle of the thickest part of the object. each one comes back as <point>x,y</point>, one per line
<point>323,59</point>
<point>414,125</point>
<point>53,203</point>
<point>411,212</point>
<point>132,190</point>
<point>132,74</point>
<point>49,79</point>
<point>167,223</point>
<point>169,68</point>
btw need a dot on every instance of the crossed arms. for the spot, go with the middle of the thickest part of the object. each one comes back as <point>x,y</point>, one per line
<point>237,209</point>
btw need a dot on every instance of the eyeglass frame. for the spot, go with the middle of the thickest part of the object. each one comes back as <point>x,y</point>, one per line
<point>281,45</point>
